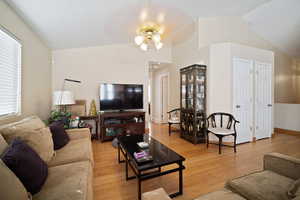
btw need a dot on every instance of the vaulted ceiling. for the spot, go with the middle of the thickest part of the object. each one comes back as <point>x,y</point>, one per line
<point>278,21</point>
<point>81,23</point>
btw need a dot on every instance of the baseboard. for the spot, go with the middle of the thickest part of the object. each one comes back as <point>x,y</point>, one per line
<point>156,120</point>
<point>286,131</point>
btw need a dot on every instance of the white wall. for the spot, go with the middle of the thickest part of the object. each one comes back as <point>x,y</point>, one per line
<point>297,78</point>
<point>237,30</point>
<point>36,66</point>
<point>185,53</point>
<point>120,63</point>
<point>287,116</point>
<point>220,79</point>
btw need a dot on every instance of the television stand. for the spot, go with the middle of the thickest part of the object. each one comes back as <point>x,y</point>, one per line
<point>113,124</point>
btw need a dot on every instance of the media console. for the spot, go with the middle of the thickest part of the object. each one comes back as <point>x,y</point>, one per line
<point>113,124</point>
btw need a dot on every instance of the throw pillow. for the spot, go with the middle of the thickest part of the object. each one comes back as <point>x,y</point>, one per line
<point>10,186</point>
<point>40,140</point>
<point>3,144</point>
<point>294,189</point>
<point>26,164</point>
<point>59,135</point>
<point>32,123</point>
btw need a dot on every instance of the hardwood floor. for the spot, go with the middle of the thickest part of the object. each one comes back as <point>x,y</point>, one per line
<point>206,170</point>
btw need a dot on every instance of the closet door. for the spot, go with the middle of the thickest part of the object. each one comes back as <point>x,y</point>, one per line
<point>263,100</point>
<point>243,98</point>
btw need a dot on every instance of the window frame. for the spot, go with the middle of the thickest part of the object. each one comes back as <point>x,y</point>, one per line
<point>19,100</point>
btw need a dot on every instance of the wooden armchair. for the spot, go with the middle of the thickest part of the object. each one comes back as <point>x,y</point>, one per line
<point>222,125</point>
<point>174,118</point>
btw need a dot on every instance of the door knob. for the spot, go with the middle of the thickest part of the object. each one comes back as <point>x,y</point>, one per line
<point>269,105</point>
<point>237,106</point>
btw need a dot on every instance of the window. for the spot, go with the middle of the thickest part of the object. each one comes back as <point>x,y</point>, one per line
<point>10,74</point>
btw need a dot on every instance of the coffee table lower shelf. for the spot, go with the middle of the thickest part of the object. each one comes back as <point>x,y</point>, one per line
<point>140,176</point>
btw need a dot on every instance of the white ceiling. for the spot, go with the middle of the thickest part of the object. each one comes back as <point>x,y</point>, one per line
<point>81,23</point>
<point>278,21</point>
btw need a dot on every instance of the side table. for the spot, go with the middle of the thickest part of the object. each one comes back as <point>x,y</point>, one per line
<point>96,120</point>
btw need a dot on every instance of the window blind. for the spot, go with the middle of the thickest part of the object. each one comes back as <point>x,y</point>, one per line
<point>10,74</point>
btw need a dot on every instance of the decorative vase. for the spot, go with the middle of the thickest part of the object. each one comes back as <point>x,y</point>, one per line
<point>93,110</point>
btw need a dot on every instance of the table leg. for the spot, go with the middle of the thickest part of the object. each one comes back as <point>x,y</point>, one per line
<point>180,179</point>
<point>119,159</point>
<point>97,129</point>
<point>126,167</point>
<point>139,188</point>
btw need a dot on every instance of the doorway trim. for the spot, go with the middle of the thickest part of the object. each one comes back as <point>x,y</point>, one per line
<point>160,114</point>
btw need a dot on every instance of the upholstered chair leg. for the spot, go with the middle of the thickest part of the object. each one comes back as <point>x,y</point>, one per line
<point>169,129</point>
<point>207,140</point>
<point>220,144</point>
<point>235,144</point>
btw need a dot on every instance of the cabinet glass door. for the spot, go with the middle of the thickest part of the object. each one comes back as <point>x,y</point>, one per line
<point>183,90</point>
<point>200,91</point>
<point>190,90</point>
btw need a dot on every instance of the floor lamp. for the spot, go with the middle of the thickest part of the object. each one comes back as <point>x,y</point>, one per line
<point>63,98</point>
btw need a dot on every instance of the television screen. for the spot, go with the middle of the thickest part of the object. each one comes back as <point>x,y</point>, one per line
<point>121,96</point>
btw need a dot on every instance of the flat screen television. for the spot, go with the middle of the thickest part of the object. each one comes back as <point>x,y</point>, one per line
<point>121,96</point>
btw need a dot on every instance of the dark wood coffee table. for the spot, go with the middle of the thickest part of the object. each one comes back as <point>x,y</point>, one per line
<point>162,156</point>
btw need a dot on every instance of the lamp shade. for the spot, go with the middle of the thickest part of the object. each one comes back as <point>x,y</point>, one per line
<point>63,98</point>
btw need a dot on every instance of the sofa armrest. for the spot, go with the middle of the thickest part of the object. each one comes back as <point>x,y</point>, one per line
<point>79,133</point>
<point>282,164</point>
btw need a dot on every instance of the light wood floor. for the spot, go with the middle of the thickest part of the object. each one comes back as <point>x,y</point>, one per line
<point>206,170</point>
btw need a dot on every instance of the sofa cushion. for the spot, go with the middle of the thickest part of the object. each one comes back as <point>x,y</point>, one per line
<point>74,151</point>
<point>79,133</point>
<point>282,164</point>
<point>26,164</point>
<point>32,122</point>
<point>59,135</point>
<point>9,131</point>
<point>294,189</point>
<point>67,182</point>
<point>40,140</point>
<point>10,186</point>
<point>223,194</point>
<point>3,144</point>
<point>265,185</point>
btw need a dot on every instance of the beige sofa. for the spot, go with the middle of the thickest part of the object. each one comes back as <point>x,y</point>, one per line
<point>70,171</point>
<point>273,183</point>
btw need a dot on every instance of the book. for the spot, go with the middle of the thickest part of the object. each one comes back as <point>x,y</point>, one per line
<point>143,145</point>
<point>142,156</point>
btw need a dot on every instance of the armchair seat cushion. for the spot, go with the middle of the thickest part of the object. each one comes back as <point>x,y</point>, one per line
<point>74,151</point>
<point>265,185</point>
<point>174,121</point>
<point>159,194</point>
<point>221,131</point>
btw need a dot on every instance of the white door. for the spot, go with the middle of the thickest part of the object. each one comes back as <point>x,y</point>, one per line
<point>164,98</point>
<point>243,98</point>
<point>263,100</point>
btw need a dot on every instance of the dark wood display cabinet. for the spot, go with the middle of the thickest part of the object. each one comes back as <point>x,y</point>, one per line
<point>113,124</point>
<point>193,103</point>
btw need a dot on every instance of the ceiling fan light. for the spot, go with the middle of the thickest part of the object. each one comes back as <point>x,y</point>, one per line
<point>158,45</point>
<point>156,38</point>
<point>144,46</point>
<point>139,39</point>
